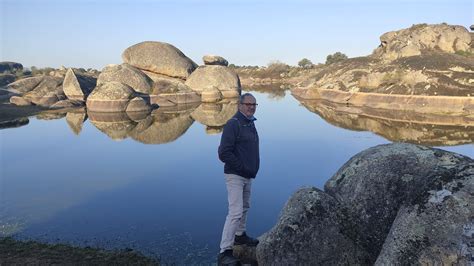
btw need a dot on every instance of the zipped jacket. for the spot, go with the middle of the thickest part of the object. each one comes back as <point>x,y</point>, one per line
<point>239,148</point>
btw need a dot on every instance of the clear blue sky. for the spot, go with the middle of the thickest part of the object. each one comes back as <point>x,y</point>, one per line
<point>94,33</point>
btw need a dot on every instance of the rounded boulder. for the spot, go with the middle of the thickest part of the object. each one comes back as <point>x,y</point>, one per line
<point>159,57</point>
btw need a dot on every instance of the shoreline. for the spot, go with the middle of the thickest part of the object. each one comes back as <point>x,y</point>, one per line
<point>445,105</point>
<point>19,252</point>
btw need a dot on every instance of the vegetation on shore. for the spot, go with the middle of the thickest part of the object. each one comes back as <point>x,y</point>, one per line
<point>14,252</point>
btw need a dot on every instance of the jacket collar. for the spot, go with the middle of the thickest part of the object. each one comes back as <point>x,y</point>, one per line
<point>250,119</point>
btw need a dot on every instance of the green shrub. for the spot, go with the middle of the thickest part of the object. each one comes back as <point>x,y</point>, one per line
<point>336,57</point>
<point>305,63</point>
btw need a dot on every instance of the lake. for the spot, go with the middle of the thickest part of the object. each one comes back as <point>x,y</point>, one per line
<point>155,184</point>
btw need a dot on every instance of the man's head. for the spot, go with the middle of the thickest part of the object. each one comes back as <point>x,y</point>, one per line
<point>247,104</point>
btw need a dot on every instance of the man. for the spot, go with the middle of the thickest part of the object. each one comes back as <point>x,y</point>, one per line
<point>240,152</point>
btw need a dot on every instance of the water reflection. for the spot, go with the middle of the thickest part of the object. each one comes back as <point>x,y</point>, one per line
<point>14,123</point>
<point>425,129</point>
<point>163,125</point>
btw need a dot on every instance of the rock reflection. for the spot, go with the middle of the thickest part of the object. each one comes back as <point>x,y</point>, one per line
<point>75,120</point>
<point>14,123</point>
<point>214,115</point>
<point>432,130</point>
<point>163,125</point>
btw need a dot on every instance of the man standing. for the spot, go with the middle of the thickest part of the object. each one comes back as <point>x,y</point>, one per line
<point>240,152</point>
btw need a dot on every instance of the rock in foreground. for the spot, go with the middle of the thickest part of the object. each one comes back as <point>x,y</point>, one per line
<point>396,204</point>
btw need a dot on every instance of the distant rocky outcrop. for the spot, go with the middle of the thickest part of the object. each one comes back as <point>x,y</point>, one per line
<point>6,79</point>
<point>398,204</point>
<point>154,71</point>
<point>411,70</point>
<point>159,57</point>
<point>422,37</point>
<point>214,60</point>
<point>10,67</point>
<point>42,90</point>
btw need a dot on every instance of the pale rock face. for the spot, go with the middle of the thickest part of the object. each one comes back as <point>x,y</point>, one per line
<point>77,86</point>
<point>24,85</point>
<point>20,101</point>
<point>214,60</point>
<point>138,104</point>
<point>159,57</point>
<point>165,84</point>
<point>47,92</point>
<point>127,75</point>
<point>220,77</point>
<point>413,41</point>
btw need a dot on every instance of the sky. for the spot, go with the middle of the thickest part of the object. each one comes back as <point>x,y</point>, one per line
<point>92,34</point>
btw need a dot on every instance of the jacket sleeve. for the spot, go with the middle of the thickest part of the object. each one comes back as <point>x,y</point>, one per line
<point>227,145</point>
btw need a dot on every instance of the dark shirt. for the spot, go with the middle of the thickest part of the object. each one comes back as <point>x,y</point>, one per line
<point>239,146</point>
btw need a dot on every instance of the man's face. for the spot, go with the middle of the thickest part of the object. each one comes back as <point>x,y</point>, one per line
<point>248,106</point>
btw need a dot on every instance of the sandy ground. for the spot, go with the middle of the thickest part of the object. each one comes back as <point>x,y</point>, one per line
<point>13,252</point>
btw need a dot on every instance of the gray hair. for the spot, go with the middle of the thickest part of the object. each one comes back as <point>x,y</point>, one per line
<point>242,97</point>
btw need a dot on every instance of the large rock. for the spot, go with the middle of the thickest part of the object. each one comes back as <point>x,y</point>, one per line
<point>394,204</point>
<point>168,91</point>
<point>77,85</point>
<point>421,37</point>
<point>159,57</point>
<point>165,84</point>
<point>210,77</point>
<point>47,92</point>
<point>392,181</point>
<point>110,97</point>
<point>310,231</point>
<point>19,101</point>
<point>24,85</point>
<point>127,75</point>
<point>214,60</point>
<point>10,67</point>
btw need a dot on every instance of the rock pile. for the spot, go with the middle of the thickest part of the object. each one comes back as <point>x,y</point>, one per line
<point>153,74</point>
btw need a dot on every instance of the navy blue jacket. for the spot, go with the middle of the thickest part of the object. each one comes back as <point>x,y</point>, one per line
<point>239,147</point>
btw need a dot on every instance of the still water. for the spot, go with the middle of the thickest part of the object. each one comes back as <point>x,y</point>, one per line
<point>155,184</point>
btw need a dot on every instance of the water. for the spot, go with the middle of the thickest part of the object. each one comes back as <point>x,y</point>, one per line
<point>98,184</point>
